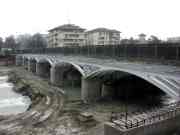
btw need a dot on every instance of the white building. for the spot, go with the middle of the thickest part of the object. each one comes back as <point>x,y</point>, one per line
<point>65,35</point>
<point>102,36</point>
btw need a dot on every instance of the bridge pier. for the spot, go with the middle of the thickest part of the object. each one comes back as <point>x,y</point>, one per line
<point>29,66</point>
<point>107,91</point>
<point>32,66</point>
<point>23,61</point>
<point>56,77</point>
<point>26,63</point>
<point>91,90</point>
<point>19,61</point>
<point>38,69</point>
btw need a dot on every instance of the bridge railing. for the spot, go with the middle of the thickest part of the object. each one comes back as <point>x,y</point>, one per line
<point>169,51</point>
<point>168,112</point>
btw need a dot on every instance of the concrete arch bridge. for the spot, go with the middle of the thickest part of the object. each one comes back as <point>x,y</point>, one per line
<point>99,77</point>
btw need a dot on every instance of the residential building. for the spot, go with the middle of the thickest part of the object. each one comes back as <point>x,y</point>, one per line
<point>102,36</point>
<point>66,35</point>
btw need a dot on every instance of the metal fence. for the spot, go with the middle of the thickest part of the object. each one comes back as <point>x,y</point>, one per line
<point>134,121</point>
<point>166,51</point>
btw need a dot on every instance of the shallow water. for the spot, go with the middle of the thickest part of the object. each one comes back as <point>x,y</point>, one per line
<point>10,101</point>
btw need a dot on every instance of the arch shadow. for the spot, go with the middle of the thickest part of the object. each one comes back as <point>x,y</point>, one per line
<point>168,85</point>
<point>43,67</point>
<point>67,75</point>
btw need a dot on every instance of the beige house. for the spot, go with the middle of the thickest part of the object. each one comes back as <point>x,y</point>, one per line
<point>66,35</point>
<point>102,36</point>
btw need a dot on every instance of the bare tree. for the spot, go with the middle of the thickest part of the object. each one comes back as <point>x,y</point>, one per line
<point>130,41</point>
<point>23,41</point>
<point>10,43</point>
<point>38,41</point>
<point>28,41</point>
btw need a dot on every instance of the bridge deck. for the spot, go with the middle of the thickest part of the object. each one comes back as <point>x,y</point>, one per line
<point>155,68</point>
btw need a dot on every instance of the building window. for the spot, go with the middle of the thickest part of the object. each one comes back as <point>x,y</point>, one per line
<point>66,35</point>
<point>101,38</point>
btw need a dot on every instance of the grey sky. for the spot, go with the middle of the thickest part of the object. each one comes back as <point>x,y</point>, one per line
<point>131,17</point>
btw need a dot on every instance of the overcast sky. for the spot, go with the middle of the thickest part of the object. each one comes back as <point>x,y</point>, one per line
<point>131,17</point>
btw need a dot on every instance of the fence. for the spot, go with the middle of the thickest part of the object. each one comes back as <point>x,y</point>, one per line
<point>170,111</point>
<point>164,51</point>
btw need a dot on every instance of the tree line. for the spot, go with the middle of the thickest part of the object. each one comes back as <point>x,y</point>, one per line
<point>25,41</point>
<point>151,40</point>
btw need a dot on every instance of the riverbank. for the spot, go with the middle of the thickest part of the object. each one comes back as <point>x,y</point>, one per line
<point>48,114</point>
<point>46,106</point>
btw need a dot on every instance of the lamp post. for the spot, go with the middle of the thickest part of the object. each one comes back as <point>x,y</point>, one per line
<point>126,103</point>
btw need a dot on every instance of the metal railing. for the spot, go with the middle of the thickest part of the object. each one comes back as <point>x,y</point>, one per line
<point>168,112</point>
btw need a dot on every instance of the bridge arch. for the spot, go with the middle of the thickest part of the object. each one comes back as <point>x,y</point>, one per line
<point>63,71</point>
<point>43,67</point>
<point>32,64</point>
<point>68,75</point>
<point>98,84</point>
